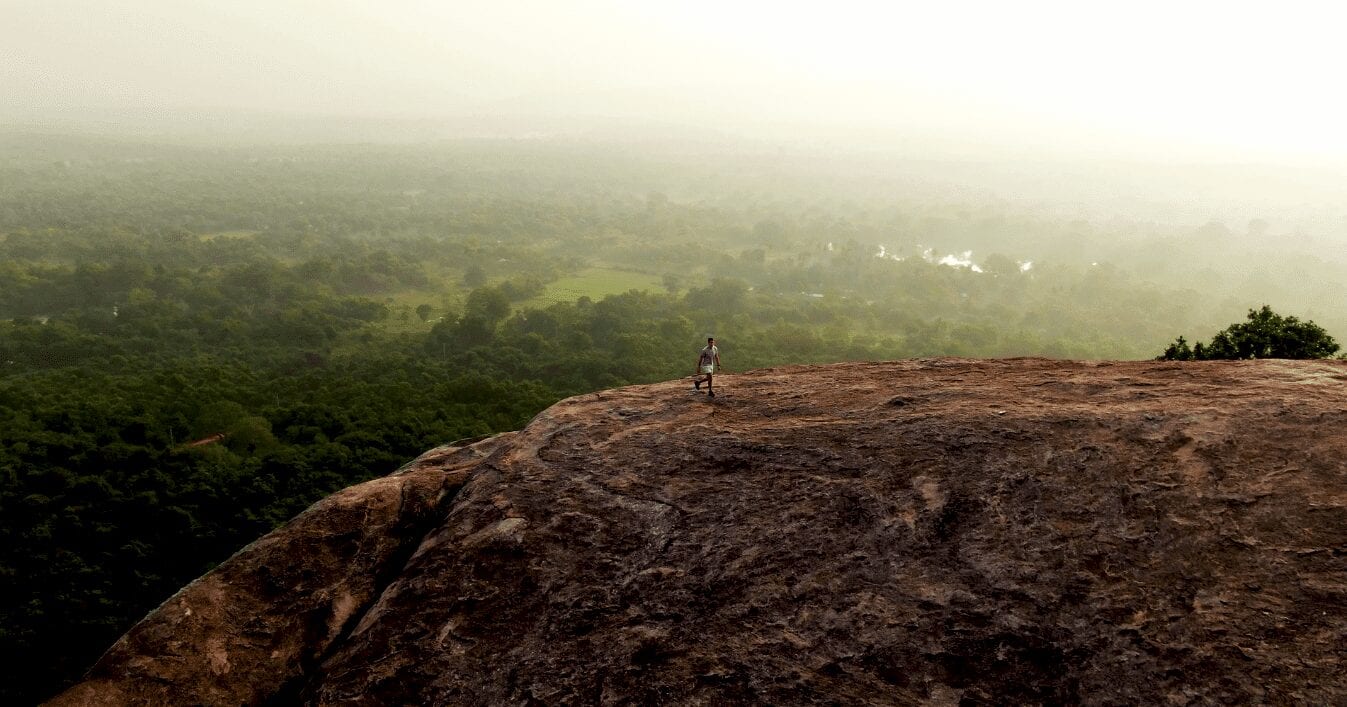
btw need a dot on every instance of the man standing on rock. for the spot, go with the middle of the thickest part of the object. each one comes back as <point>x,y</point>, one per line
<point>707,363</point>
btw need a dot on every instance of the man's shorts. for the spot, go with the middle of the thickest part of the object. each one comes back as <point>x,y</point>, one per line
<point>708,370</point>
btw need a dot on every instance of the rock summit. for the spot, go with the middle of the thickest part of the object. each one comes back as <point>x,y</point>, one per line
<point>937,531</point>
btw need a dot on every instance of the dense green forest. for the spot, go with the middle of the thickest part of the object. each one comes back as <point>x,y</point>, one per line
<point>198,342</point>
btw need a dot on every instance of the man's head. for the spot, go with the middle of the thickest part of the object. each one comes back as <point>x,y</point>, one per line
<point>710,341</point>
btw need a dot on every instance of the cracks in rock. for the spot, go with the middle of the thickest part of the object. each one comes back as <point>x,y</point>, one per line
<point>547,443</point>
<point>411,533</point>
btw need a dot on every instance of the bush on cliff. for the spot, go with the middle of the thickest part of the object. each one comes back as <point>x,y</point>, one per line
<point>1266,334</point>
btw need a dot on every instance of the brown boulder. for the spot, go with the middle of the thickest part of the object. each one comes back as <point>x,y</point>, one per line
<point>254,629</point>
<point>935,531</point>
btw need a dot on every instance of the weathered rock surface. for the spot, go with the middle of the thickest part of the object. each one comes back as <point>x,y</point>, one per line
<point>255,628</point>
<point>935,531</point>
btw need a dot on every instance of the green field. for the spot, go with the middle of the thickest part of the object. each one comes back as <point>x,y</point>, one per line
<point>402,317</point>
<point>595,283</point>
<point>227,234</point>
<point>443,295</point>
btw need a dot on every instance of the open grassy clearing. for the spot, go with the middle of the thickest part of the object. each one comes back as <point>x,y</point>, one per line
<point>447,300</point>
<point>227,234</point>
<point>443,294</point>
<point>402,316</point>
<point>594,283</point>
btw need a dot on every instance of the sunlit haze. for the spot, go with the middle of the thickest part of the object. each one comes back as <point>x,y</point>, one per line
<point>1149,80</point>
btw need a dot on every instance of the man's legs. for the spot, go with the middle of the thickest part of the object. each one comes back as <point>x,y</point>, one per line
<point>709,392</point>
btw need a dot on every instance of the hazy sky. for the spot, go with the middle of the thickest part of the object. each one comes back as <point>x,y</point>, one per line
<point>1243,80</point>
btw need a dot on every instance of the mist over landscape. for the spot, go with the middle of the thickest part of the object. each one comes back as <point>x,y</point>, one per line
<point>253,253</point>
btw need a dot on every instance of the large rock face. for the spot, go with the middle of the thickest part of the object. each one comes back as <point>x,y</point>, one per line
<point>935,531</point>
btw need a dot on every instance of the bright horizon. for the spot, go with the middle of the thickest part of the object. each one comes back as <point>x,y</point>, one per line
<point>1148,80</point>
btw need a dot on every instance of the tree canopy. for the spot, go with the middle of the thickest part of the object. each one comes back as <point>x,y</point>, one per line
<point>1264,334</point>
